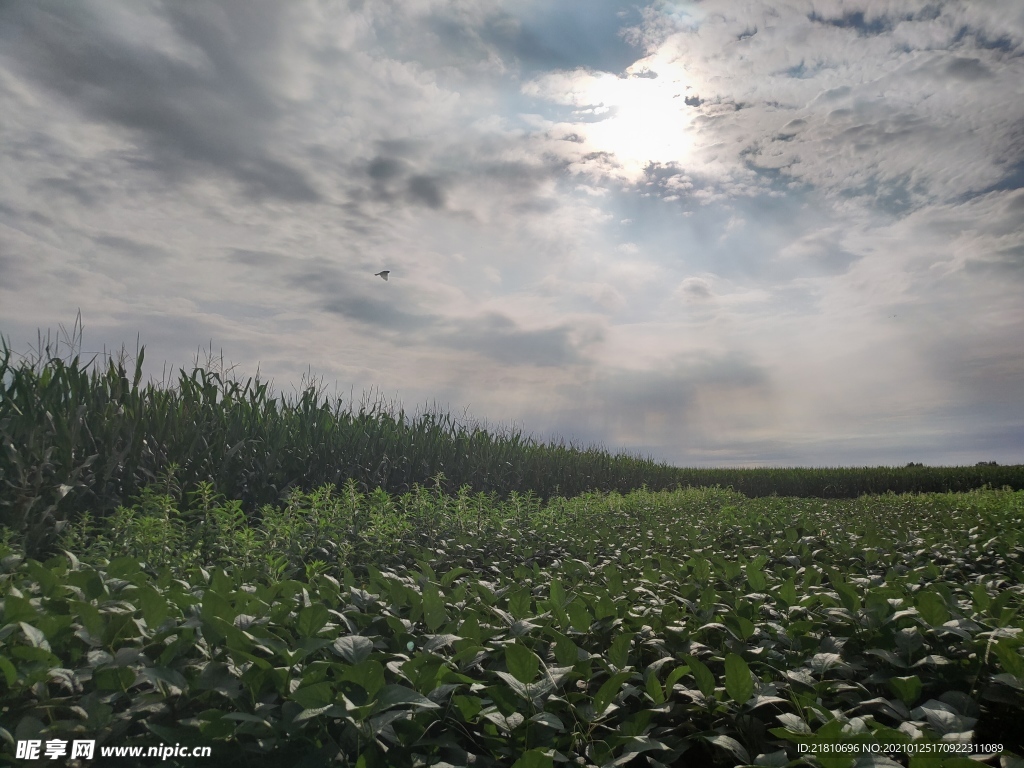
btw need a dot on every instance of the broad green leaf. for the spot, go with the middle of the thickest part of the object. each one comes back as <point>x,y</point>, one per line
<point>369,675</point>
<point>311,620</point>
<point>18,609</point>
<point>787,592</point>
<point>618,654</point>
<point>729,744</point>
<point>605,606</point>
<point>113,678</point>
<point>469,706</point>
<point>434,614</point>
<point>154,606</point>
<point>738,683</point>
<point>548,719</point>
<point>35,636</point>
<point>535,758</point>
<point>932,608</point>
<point>10,672</point>
<point>353,648</point>
<point>702,675</point>
<point>557,593</point>
<point>980,598</point>
<point>313,696</point>
<point>608,691</point>
<point>908,689</point>
<point>522,662</point>
<point>520,604</point>
<point>452,575</point>
<point>674,677</point>
<point>654,689</point>
<point>579,615</point>
<point>756,578</point>
<point>393,696</point>
<point>169,680</point>
<point>1010,659</point>
<point>567,652</point>
<point>215,604</point>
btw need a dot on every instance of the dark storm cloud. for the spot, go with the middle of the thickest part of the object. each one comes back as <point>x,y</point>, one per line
<point>492,335</point>
<point>426,190</point>
<point>381,314</point>
<point>131,247</point>
<point>252,258</point>
<point>968,69</point>
<point>670,394</point>
<point>501,339</point>
<point>208,109</point>
<point>385,168</point>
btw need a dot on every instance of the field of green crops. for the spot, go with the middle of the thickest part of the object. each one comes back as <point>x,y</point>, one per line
<point>689,628</point>
<point>77,436</point>
<point>294,581</point>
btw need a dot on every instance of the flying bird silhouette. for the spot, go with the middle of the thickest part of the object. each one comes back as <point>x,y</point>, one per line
<point>383,274</point>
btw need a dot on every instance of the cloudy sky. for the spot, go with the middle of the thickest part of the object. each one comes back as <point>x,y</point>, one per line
<point>728,232</point>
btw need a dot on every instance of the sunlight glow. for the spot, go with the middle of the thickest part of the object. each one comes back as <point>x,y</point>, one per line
<point>639,119</point>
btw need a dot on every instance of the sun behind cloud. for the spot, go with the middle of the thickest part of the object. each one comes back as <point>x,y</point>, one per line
<point>638,118</point>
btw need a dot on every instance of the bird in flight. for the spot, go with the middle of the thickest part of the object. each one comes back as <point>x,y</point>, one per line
<point>383,274</point>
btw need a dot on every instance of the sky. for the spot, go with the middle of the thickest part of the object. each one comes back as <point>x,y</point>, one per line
<point>717,233</point>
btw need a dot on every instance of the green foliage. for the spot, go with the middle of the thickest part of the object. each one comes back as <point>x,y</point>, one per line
<point>597,630</point>
<point>80,437</point>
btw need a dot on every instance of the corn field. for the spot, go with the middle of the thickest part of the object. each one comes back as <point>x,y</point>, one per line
<point>80,436</point>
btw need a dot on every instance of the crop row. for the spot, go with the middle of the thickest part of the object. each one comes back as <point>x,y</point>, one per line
<point>76,436</point>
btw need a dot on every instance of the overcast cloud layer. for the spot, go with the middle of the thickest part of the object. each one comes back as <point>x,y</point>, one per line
<point>727,232</point>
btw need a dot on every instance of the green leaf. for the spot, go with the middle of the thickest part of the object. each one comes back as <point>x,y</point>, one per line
<point>154,606</point>
<point>607,692</point>
<point>847,594</point>
<point>369,675</point>
<point>932,608</point>
<point>535,758</point>
<point>521,662</point>
<point>557,593</point>
<point>520,603</point>
<point>47,580</point>
<point>738,683</point>
<point>755,578</point>
<point>1011,661</point>
<point>579,615</point>
<point>787,593</point>
<point>123,567</point>
<point>113,678</point>
<point>18,609</point>
<point>164,679</point>
<point>729,744</point>
<point>313,696</point>
<point>451,576</point>
<point>393,696</point>
<point>908,689</point>
<point>215,604</point>
<point>705,680</point>
<point>433,608</point>
<point>654,689</point>
<point>353,648</point>
<point>618,654</point>
<point>567,652</point>
<point>311,620</point>
<point>10,672</point>
<point>469,706</point>
<point>980,598</point>
<point>35,636</point>
<point>674,677</point>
